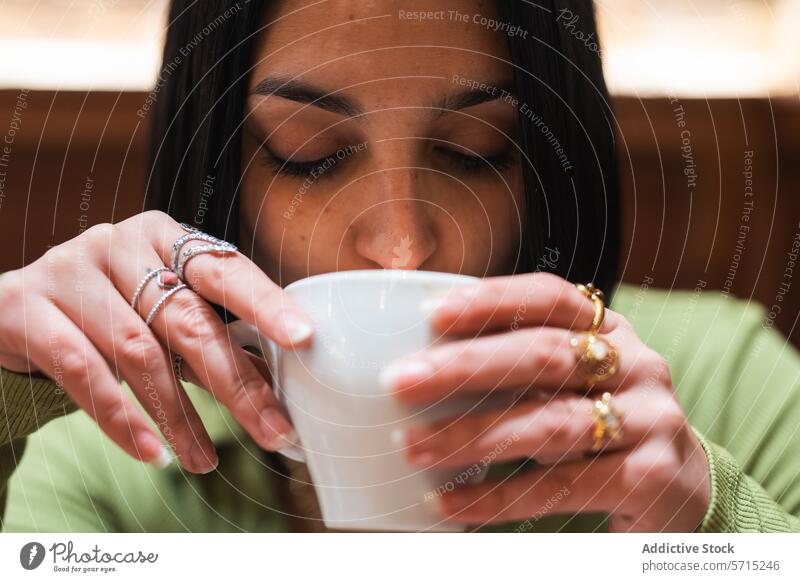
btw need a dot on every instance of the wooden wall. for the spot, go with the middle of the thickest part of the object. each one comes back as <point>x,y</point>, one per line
<point>79,158</point>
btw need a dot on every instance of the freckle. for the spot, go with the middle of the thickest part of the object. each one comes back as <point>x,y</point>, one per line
<point>303,237</point>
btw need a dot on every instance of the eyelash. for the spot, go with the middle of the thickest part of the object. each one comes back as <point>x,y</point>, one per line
<point>465,163</point>
<point>299,169</point>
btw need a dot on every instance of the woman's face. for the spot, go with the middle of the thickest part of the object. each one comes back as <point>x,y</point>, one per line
<point>364,135</point>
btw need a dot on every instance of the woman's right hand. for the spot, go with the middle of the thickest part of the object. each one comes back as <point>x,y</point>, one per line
<point>68,316</point>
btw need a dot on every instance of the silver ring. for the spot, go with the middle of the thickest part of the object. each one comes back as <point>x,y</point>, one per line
<point>154,311</point>
<point>163,282</point>
<point>208,248</point>
<point>195,234</point>
<point>177,368</point>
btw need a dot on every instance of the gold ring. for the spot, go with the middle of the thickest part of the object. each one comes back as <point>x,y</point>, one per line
<point>597,357</point>
<point>607,422</point>
<point>596,296</point>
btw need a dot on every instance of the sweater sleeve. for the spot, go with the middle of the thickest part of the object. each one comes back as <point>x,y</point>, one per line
<point>747,418</point>
<point>738,503</point>
<point>26,404</point>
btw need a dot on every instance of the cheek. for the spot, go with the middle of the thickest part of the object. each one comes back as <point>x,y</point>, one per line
<point>295,233</point>
<point>486,218</point>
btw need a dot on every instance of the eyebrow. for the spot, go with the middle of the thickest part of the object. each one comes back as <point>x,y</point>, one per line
<point>309,94</point>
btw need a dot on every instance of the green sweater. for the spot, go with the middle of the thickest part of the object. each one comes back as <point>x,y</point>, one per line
<point>737,378</point>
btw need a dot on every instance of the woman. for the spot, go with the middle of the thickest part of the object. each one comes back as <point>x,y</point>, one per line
<point>466,137</point>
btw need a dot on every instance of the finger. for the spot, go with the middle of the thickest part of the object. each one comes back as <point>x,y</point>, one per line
<point>556,429</point>
<point>503,303</point>
<point>584,486</point>
<point>123,338</point>
<point>539,356</point>
<point>232,281</point>
<point>189,326</point>
<point>257,361</point>
<point>66,355</point>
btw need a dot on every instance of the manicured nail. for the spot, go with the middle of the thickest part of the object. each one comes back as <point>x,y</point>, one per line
<point>153,449</point>
<point>407,371</point>
<point>398,438</point>
<point>276,431</point>
<point>165,459</point>
<point>422,458</point>
<point>297,329</point>
<point>430,305</point>
<point>202,462</point>
<point>458,299</point>
<point>284,441</point>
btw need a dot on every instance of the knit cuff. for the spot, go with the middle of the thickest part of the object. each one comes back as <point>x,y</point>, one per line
<point>27,403</point>
<point>738,503</point>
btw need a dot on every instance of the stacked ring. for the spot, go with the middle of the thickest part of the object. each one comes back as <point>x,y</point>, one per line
<point>597,358</point>
<point>607,422</point>
<point>179,259</point>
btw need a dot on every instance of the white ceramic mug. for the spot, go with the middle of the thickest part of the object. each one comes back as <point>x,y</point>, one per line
<point>363,320</point>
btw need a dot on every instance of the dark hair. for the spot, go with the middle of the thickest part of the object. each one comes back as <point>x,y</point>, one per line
<point>571,181</point>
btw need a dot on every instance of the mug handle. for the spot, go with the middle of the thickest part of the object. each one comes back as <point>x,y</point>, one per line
<point>245,334</point>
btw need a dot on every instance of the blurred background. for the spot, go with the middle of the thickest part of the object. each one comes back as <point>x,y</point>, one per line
<point>75,72</point>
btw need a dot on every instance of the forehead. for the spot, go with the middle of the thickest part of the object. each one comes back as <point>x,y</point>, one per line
<point>383,43</point>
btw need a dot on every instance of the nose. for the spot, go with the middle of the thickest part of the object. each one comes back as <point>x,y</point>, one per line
<point>397,229</point>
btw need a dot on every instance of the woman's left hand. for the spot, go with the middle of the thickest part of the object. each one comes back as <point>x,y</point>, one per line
<point>654,478</point>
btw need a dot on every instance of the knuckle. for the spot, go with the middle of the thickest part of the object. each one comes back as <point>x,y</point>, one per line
<point>270,302</point>
<point>139,348</point>
<point>156,217</point>
<point>556,423</point>
<point>542,353</point>
<point>618,321</point>
<point>59,259</point>
<point>493,289</point>
<point>101,235</point>
<point>113,415</point>
<point>244,401</point>
<point>671,418</point>
<point>457,363</point>
<point>656,366</point>
<point>193,318</point>
<point>74,365</point>
<point>655,465</point>
<point>11,290</point>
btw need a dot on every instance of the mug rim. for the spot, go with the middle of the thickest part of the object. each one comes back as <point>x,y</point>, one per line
<point>365,274</point>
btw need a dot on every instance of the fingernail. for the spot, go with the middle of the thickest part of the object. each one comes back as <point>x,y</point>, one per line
<point>284,441</point>
<point>276,431</point>
<point>202,462</point>
<point>165,458</point>
<point>421,459</point>
<point>459,298</point>
<point>398,438</point>
<point>149,445</point>
<point>407,371</point>
<point>297,329</point>
<point>430,305</point>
